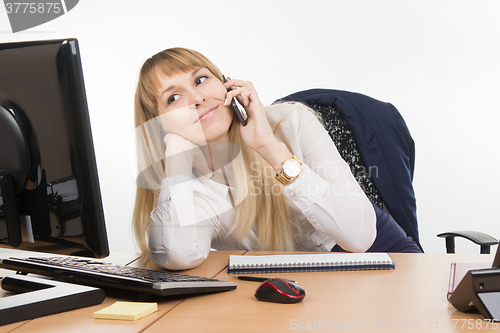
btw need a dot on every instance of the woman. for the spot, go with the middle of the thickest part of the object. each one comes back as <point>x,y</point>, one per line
<point>207,181</point>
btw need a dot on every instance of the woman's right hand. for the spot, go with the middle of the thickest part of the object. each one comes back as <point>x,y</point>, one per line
<point>181,155</point>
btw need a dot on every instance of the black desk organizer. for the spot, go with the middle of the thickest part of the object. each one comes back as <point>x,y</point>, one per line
<point>479,290</point>
<point>41,297</point>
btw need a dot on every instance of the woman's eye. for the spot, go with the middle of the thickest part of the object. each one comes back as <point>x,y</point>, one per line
<point>172,98</point>
<point>201,79</point>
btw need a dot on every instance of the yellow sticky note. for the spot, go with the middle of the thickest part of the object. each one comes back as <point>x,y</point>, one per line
<point>126,310</point>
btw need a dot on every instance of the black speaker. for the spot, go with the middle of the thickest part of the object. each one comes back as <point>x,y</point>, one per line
<point>479,290</point>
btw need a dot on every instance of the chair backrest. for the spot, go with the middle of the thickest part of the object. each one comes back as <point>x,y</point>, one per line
<point>343,138</point>
<point>374,140</point>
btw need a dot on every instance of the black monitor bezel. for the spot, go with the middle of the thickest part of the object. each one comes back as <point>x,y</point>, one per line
<point>70,67</point>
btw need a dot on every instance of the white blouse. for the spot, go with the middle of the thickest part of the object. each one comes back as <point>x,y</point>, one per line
<point>327,206</point>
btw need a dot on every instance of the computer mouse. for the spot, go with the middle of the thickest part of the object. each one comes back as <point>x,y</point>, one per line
<point>279,291</point>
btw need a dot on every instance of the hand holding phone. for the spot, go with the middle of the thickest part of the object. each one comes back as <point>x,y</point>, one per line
<point>240,111</point>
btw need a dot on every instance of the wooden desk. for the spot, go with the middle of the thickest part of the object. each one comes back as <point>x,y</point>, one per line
<point>410,298</point>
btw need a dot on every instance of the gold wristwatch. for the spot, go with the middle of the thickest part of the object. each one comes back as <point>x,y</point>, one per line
<point>290,170</point>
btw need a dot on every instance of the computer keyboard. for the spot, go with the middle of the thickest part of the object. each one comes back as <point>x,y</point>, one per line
<point>101,274</point>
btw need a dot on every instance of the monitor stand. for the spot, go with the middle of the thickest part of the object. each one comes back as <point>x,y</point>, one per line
<point>41,297</point>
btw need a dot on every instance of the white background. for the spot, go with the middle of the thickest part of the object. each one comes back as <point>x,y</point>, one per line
<point>437,61</point>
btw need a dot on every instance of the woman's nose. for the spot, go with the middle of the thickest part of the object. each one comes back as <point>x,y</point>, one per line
<point>197,98</point>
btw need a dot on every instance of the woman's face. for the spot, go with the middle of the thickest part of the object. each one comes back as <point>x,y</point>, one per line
<point>191,104</point>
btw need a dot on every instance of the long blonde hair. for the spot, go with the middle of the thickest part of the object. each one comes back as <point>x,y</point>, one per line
<point>263,206</point>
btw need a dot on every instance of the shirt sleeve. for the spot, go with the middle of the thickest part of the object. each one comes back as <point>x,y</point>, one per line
<point>326,192</point>
<point>182,225</point>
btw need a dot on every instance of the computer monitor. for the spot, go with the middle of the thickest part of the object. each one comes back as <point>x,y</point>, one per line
<point>50,199</point>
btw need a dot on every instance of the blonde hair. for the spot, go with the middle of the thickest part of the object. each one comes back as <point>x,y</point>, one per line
<point>260,206</point>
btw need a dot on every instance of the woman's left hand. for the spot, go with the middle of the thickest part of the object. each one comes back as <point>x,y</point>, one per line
<point>257,134</point>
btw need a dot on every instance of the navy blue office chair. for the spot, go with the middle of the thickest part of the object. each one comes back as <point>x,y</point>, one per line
<point>374,140</point>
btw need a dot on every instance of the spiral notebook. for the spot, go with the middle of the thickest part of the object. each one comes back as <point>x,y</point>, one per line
<point>309,262</point>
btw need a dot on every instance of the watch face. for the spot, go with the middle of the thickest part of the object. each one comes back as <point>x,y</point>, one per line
<point>291,168</point>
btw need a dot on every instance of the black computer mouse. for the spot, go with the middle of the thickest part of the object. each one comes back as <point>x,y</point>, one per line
<point>279,291</point>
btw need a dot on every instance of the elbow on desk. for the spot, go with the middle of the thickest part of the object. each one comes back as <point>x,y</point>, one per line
<point>357,248</point>
<point>358,245</point>
<point>361,240</point>
<point>178,258</point>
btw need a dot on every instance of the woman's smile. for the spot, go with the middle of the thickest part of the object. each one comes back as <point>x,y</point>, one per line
<point>207,114</point>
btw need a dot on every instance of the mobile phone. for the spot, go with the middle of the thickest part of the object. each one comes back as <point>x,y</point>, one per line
<point>238,109</point>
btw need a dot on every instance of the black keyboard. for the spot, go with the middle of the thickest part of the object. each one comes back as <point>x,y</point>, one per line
<point>101,274</point>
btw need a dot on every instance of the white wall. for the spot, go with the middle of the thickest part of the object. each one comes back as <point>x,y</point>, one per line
<point>436,61</point>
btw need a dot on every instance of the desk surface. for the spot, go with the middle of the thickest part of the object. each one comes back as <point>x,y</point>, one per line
<point>410,298</point>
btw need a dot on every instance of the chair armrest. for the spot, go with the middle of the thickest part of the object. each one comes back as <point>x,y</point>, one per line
<point>480,238</point>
